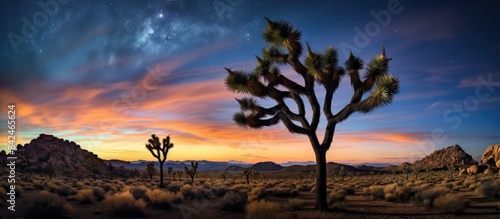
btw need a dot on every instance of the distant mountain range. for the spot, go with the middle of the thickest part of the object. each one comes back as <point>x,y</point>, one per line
<point>70,159</point>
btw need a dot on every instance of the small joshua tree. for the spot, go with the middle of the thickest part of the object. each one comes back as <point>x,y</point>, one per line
<point>255,174</point>
<point>92,164</point>
<point>318,68</point>
<point>169,171</point>
<point>224,175</point>
<point>159,151</point>
<point>246,174</point>
<point>152,171</point>
<point>394,172</point>
<point>406,169</point>
<point>416,170</point>
<point>191,172</point>
<point>50,169</point>
<point>179,174</point>
<point>342,172</point>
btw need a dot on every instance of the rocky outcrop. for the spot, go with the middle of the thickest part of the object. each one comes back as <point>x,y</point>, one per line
<point>491,155</point>
<point>68,158</point>
<point>453,155</point>
<point>266,166</point>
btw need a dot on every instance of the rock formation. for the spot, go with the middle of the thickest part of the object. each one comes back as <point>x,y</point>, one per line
<point>491,155</point>
<point>68,158</point>
<point>454,155</point>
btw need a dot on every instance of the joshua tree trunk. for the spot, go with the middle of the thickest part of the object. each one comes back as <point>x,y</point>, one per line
<point>321,202</point>
<point>161,174</point>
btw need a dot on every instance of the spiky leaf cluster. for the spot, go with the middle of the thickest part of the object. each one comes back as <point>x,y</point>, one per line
<point>266,81</point>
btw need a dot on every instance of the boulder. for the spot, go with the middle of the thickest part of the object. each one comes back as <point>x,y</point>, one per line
<point>491,152</point>
<point>46,137</point>
<point>498,164</point>
<point>488,171</point>
<point>472,169</point>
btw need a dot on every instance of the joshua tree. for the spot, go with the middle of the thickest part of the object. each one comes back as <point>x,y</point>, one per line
<point>179,173</point>
<point>246,174</point>
<point>169,171</point>
<point>416,169</point>
<point>159,151</point>
<point>191,172</point>
<point>152,171</point>
<point>406,169</point>
<point>266,81</point>
<point>111,171</point>
<point>225,175</point>
<point>50,169</point>
<point>92,164</point>
<point>394,172</point>
<point>342,172</point>
<point>255,174</point>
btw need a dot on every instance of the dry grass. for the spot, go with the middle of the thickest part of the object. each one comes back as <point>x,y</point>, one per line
<point>162,199</point>
<point>296,204</point>
<point>48,205</point>
<point>451,203</point>
<point>263,209</point>
<point>490,189</point>
<point>85,196</point>
<point>124,204</point>
<point>233,201</point>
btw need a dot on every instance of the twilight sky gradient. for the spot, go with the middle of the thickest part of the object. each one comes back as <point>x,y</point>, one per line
<point>108,74</point>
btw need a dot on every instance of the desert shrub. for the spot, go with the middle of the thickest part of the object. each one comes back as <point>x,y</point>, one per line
<point>427,196</point>
<point>255,194</point>
<point>219,190</point>
<point>99,193</point>
<point>243,189</point>
<point>124,204</point>
<point>233,201</point>
<point>263,209</point>
<point>282,192</point>
<point>303,188</point>
<point>295,203</point>
<point>110,188</point>
<point>336,197</point>
<point>349,189</point>
<point>490,189</point>
<point>48,205</point>
<point>451,203</point>
<point>395,192</point>
<point>175,186</point>
<point>65,190</point>
<point>159,198</point>
<point>85,196</point>
<point>377,192</point>
<point>138,192</point>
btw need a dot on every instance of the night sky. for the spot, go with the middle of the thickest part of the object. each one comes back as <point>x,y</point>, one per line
<point>108,74</point>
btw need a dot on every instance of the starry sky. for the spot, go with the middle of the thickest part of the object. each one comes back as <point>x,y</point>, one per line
<point>108,74</point>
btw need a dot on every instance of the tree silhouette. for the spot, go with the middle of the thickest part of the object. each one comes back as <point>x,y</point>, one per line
<point>266,81</point>
<point>191,172</point>
<point>151,170</point>
<point>159,151</point>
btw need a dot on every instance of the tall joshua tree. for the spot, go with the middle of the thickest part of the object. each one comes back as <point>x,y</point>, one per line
<point>159,151</point>
<point>266,81</point>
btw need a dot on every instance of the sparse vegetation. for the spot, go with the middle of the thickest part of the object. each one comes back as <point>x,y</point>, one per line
<point>124,204</point>
<point>48,205</point>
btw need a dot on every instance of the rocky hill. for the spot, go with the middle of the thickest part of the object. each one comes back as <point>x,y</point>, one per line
<point>266,166</point>
<point>66,157</point>
<point>441,158</point>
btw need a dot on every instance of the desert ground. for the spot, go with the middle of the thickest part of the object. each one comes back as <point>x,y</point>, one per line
<point>439,194</point>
